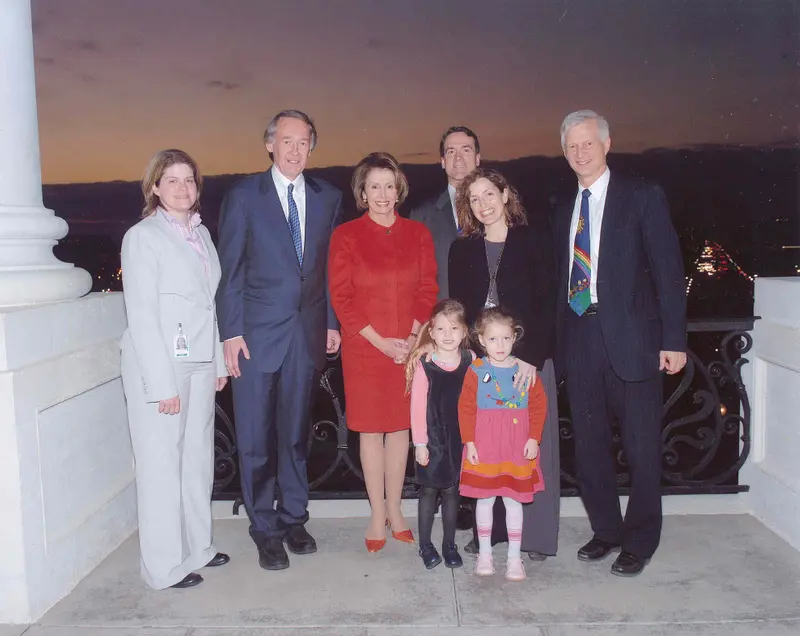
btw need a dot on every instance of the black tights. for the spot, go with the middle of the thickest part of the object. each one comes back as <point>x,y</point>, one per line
<point>427,509</point>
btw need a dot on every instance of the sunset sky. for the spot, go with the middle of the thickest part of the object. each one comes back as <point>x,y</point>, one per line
<point>119,79</point>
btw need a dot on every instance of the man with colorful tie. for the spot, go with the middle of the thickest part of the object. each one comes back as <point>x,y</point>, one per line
<point>277,323</point>
<point>622,321</point>
<point>460,154</point>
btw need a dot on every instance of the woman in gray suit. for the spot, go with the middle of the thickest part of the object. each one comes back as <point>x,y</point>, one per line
<point>172,364</point>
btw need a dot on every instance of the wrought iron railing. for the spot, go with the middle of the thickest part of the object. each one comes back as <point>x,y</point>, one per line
<point>706,427</point>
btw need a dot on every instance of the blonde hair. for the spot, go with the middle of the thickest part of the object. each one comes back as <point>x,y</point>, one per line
<point>450,309</point>
<point>514,212</point>
<point>490,315</point>
<point>155,170</point>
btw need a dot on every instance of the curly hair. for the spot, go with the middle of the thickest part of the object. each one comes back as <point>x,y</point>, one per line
<point>497,315</point>
<point>515,213</point>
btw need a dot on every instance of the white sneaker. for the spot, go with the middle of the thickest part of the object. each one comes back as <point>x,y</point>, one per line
<point>484,566</point>
<point>515,571</point>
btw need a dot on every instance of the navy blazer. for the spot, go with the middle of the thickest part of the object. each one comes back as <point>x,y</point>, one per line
<point>641,288</point>
<point>264,294</point>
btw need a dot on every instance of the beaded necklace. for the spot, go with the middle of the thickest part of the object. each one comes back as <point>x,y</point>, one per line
<point>501,400</point>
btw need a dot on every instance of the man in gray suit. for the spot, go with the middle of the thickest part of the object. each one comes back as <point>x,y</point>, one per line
<point>460,152</point>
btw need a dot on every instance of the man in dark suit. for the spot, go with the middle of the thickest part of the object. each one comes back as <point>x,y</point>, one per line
<point>460,153</point>
<point>273,309</point>
<point>622,321</point>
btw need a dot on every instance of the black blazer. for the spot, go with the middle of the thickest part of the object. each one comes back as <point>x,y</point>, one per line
<point>526,285</point>
<point>641,289</point>
<point>437,215</point>
<point>264,294</point>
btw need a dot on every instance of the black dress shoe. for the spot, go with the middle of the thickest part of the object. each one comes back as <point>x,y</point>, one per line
<point>533,555</point>
<point>299,541</point>
<point>190,580</point>
<point>452,558</point>
<point>471,547</point>
<point>219,559</point>
<point>272,555</point>
<point>596,550</point>
<point>628,564</point>
<point>430,557</point>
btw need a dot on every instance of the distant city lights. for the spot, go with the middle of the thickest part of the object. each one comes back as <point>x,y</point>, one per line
<point>714,261</point>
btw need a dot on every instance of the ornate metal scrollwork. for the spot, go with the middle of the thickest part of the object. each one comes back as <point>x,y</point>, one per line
<point>705,434</point>
<point>332,459</point>
<point>226,463</point>
<point>326,431</point>
<point>721,419</point>
<point>706,423</point>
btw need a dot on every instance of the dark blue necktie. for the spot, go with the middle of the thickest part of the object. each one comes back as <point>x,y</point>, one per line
<point>294,226</point>
<point>580,279</point>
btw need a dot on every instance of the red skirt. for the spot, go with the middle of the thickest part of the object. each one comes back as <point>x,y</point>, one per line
<point>374,389</point>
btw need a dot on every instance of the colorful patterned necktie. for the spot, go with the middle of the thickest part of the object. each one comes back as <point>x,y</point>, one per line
<point>579,281</point>
<point>294,226</point>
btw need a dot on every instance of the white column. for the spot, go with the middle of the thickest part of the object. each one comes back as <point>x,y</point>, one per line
<point>773,384</point>
<point>29,272</point>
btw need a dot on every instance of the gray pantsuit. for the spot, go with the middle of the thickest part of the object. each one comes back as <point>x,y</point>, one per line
<point>541,518</point>
<point>169,298</point>
<point>174,472</point>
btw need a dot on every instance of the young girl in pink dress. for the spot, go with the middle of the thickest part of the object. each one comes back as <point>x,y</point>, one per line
<point>501,428</point>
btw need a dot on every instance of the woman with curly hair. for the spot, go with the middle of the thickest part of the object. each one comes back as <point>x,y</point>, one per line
<point>502,260</point>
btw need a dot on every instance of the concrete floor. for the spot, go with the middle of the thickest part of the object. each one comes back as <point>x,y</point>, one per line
<point>713,575</point>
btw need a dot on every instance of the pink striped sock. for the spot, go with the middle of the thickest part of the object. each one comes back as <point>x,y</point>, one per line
<point>514,526</point>
<point>483,520</point>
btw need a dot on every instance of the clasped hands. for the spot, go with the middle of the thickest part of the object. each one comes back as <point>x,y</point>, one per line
<point>396,348</point>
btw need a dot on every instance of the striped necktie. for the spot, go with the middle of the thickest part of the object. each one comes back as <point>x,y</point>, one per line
<point>580,279</point>
<point>294,226</point>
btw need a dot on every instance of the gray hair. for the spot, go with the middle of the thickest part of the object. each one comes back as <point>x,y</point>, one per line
<point>272,126</point>
<point>580,116</point>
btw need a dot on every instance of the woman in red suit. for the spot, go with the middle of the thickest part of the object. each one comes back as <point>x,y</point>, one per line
<point>382,278</point>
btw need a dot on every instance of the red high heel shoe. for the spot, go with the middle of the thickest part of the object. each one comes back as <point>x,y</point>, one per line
<point>375,545</point>
<point>406,536</point>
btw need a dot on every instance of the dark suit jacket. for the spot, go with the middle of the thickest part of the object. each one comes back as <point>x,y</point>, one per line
<point>264,294</point>
<point>437,215</point>
<point>641,289</point>
<point>526,282</point>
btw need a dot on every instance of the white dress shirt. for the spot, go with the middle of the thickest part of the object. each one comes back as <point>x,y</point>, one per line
<point>597,203</point>
<point>299,196</point>
<point>452,192</point>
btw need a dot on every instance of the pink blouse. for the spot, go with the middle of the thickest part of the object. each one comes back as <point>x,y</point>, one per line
<point>190,234</point>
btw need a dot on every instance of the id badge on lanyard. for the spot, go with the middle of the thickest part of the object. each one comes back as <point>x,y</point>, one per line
<point>180,343</point>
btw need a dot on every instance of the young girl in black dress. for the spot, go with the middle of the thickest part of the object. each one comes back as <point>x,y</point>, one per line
<point>435,385</point>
